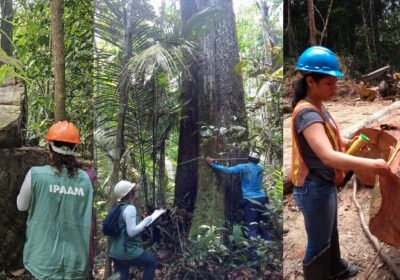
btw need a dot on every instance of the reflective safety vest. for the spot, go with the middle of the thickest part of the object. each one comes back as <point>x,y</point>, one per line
<point>299,168</point>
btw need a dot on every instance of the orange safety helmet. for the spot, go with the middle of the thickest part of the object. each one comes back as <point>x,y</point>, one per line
<point>63,132</point>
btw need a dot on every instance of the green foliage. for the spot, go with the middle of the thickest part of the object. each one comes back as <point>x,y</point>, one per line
<point>32,47</point>
<point>219,253</point>
<point>11,68</point>
<point>346,32</point>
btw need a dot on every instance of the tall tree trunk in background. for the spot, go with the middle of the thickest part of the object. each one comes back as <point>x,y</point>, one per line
<point>365,29</point>
<point>325,23</point>
<point>269,44</point>
<point>311,22</point>
<point>220,103</point>
<point>291,38</point>
<point>122,104</point>
<point>123,96</point>
<point>374,31</point>
<point>6,26</point>
<point>57,46</point>
<point>162,176</point>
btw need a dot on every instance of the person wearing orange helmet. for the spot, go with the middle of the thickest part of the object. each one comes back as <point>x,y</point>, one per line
<point>318,164</point>
<point>58,198</point>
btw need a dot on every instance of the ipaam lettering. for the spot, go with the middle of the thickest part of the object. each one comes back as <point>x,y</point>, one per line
<point>66,190</point>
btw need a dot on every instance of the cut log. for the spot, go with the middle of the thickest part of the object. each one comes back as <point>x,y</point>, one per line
<point>385,205</point>
<point>14,165</point>
<point>368,93</point>
<point>379,146</point>
<point>376,73</point>
<point>12,113</point>
<point>350,131</point>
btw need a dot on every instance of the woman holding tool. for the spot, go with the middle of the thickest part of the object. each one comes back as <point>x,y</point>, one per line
<point>318,164</point>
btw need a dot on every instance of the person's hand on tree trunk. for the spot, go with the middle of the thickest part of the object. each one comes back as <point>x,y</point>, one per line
<point>209,160</point>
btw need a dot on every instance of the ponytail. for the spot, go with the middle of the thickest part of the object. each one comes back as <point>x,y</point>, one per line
<point>300,90</point>
<point>300,87</point>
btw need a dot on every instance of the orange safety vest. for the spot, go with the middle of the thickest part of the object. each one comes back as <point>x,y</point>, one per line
<point>299,168</point>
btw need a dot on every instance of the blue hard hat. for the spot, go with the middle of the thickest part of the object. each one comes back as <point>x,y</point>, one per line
<point>319,60</point>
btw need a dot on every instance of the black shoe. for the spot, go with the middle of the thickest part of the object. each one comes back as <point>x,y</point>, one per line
<point>318,268</point>
<point>350,271</point>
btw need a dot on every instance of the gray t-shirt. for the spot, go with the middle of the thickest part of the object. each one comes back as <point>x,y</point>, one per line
<point>318,171</point>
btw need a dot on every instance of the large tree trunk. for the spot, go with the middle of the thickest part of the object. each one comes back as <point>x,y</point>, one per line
<point>220,104</point>
<point>14,165</point>
<point>57,46</point>
<point>6,27</point>
<point>186,171</point>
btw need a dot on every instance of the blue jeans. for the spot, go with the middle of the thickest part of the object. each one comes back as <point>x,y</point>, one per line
<point>318,203</point>
<point>145,259</point>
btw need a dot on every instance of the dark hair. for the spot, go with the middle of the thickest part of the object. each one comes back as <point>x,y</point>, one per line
<point>255,160</point>
<point>300,87</point>
<point>128,196</point>
<point>59,160</point>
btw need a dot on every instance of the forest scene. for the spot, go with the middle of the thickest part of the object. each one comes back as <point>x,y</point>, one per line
<point>154,87</point>
<point>175,83</point>
<point>364,35</point>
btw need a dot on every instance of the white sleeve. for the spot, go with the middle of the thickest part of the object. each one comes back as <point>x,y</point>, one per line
<point>129,216</point>
<point>25,194</point>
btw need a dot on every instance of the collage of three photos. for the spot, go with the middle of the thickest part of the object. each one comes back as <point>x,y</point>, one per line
<point>199,139</point>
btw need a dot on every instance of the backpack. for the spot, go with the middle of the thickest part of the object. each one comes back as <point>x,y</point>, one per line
<point>110,223</point>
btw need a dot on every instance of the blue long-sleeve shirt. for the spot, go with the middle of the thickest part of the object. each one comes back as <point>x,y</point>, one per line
<point>251,176</point>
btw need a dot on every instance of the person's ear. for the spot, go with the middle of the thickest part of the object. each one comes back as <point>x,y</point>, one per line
<point>310,81</point>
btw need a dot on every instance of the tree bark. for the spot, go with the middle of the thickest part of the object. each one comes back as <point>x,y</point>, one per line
<point>311,22</point>
<point>14,165</point>
<point>57,38</point>
<point>186,172</point>
<point>220,103</point>
<point>6,27</point>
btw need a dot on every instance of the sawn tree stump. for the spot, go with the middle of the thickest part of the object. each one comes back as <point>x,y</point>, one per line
<point>14,165</point>
<point>12,113</point>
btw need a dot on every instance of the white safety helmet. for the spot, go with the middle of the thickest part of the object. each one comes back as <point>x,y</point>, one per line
<point>254,155</point>
<point>122,188</point>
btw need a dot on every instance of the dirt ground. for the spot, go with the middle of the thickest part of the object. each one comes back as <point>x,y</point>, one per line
<point>355,246</point>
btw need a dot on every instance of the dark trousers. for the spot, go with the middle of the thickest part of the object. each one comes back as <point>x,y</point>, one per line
<point>145,259</point>
<point>254,216</point>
